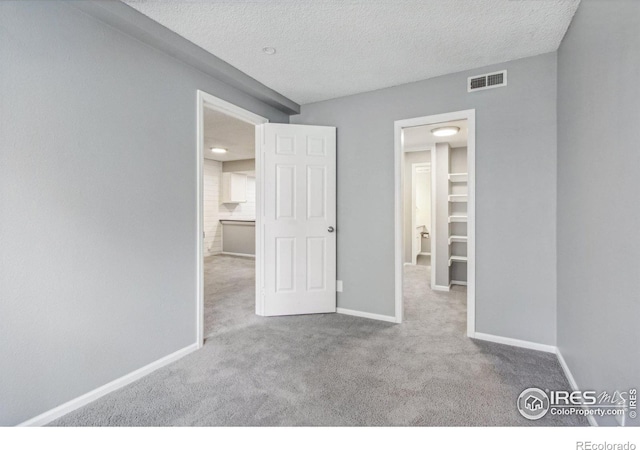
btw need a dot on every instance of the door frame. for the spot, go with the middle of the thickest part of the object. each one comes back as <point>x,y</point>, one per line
<point>414,171</point>
<point>470,116</point>
<point>205,100</point>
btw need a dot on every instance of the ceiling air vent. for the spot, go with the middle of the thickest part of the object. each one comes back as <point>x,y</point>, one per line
<point>487,81</point>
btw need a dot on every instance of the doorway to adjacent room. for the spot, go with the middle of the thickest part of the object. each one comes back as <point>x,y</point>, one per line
<point>435,211</point>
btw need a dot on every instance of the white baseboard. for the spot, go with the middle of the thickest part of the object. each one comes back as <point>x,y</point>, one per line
<point>366,315</point>
<point>424,254</point>
<point>437,287</point>
<point>246,255</point>
<point>573,384</point>
<point>459,283</point>
<point>85,399</point>
<point>515,342</point>
<point>567,372</point>
<point>540,347</point>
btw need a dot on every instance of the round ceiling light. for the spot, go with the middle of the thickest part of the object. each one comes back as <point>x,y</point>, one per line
<point>219,150</point>
<point>269,50</point>
<point>445,131</point>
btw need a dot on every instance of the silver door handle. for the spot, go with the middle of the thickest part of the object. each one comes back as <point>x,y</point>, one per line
<point>330,230</point>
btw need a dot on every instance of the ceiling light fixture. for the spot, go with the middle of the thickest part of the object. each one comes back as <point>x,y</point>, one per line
<point>269,50</point>
<point>445,131</point>
<point>219,150</point>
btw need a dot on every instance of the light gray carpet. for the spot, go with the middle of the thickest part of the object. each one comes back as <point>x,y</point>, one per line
<point>229,293</point>
<point>332,369</point>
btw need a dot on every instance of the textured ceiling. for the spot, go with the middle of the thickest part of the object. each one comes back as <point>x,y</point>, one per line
<point>332,48</point>
<point>416,139</point>
<point>237,136</point>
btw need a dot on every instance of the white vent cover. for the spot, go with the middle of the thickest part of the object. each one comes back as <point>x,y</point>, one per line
<point>487,81</point>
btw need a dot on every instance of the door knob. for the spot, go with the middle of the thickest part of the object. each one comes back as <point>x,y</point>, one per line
<point>330,229</point>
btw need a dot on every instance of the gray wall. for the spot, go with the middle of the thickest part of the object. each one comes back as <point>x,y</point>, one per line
<point>239,237</point>
<point>441,220</point>
<point>598,186</point>
<point>409,159</point>
<point>241,165</point>
<point>98,201</point>
<point>458,162</point>
<point>516,192</point>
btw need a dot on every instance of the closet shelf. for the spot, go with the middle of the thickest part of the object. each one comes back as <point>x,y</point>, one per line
<point>453,219</point>
<point>454,258</point>
<point>458,177</point>
<point>458,198</point>
<point>457,238</point>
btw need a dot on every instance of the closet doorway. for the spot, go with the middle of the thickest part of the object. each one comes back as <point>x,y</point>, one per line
<point>435,207</point>
<point>420,227</point>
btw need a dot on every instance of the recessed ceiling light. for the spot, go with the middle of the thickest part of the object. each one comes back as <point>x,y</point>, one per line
<point>445,131</point>
<point>219,150</point>
<point>269,50</point>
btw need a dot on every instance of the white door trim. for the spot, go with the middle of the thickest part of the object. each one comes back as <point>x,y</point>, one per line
<point>91,396</point>
<point>470,116</point>
<point>204,100</point>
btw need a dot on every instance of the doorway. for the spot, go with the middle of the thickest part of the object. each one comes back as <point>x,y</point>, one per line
<point>421,225</point>
<point>449,230</point>
<point>294,213</point>
<point>230,169</point>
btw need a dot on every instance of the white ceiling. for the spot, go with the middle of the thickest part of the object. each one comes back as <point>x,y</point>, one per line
<point>221,130</point>
<point>416,139</point>
<point>332,48</point>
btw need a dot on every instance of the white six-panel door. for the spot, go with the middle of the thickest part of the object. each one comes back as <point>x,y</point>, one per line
<point>298,219</point>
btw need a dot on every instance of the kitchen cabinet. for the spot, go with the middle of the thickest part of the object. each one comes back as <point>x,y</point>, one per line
<point>234,187</point>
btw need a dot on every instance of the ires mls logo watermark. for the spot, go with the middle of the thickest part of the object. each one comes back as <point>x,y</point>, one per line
<point>534,403</point>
